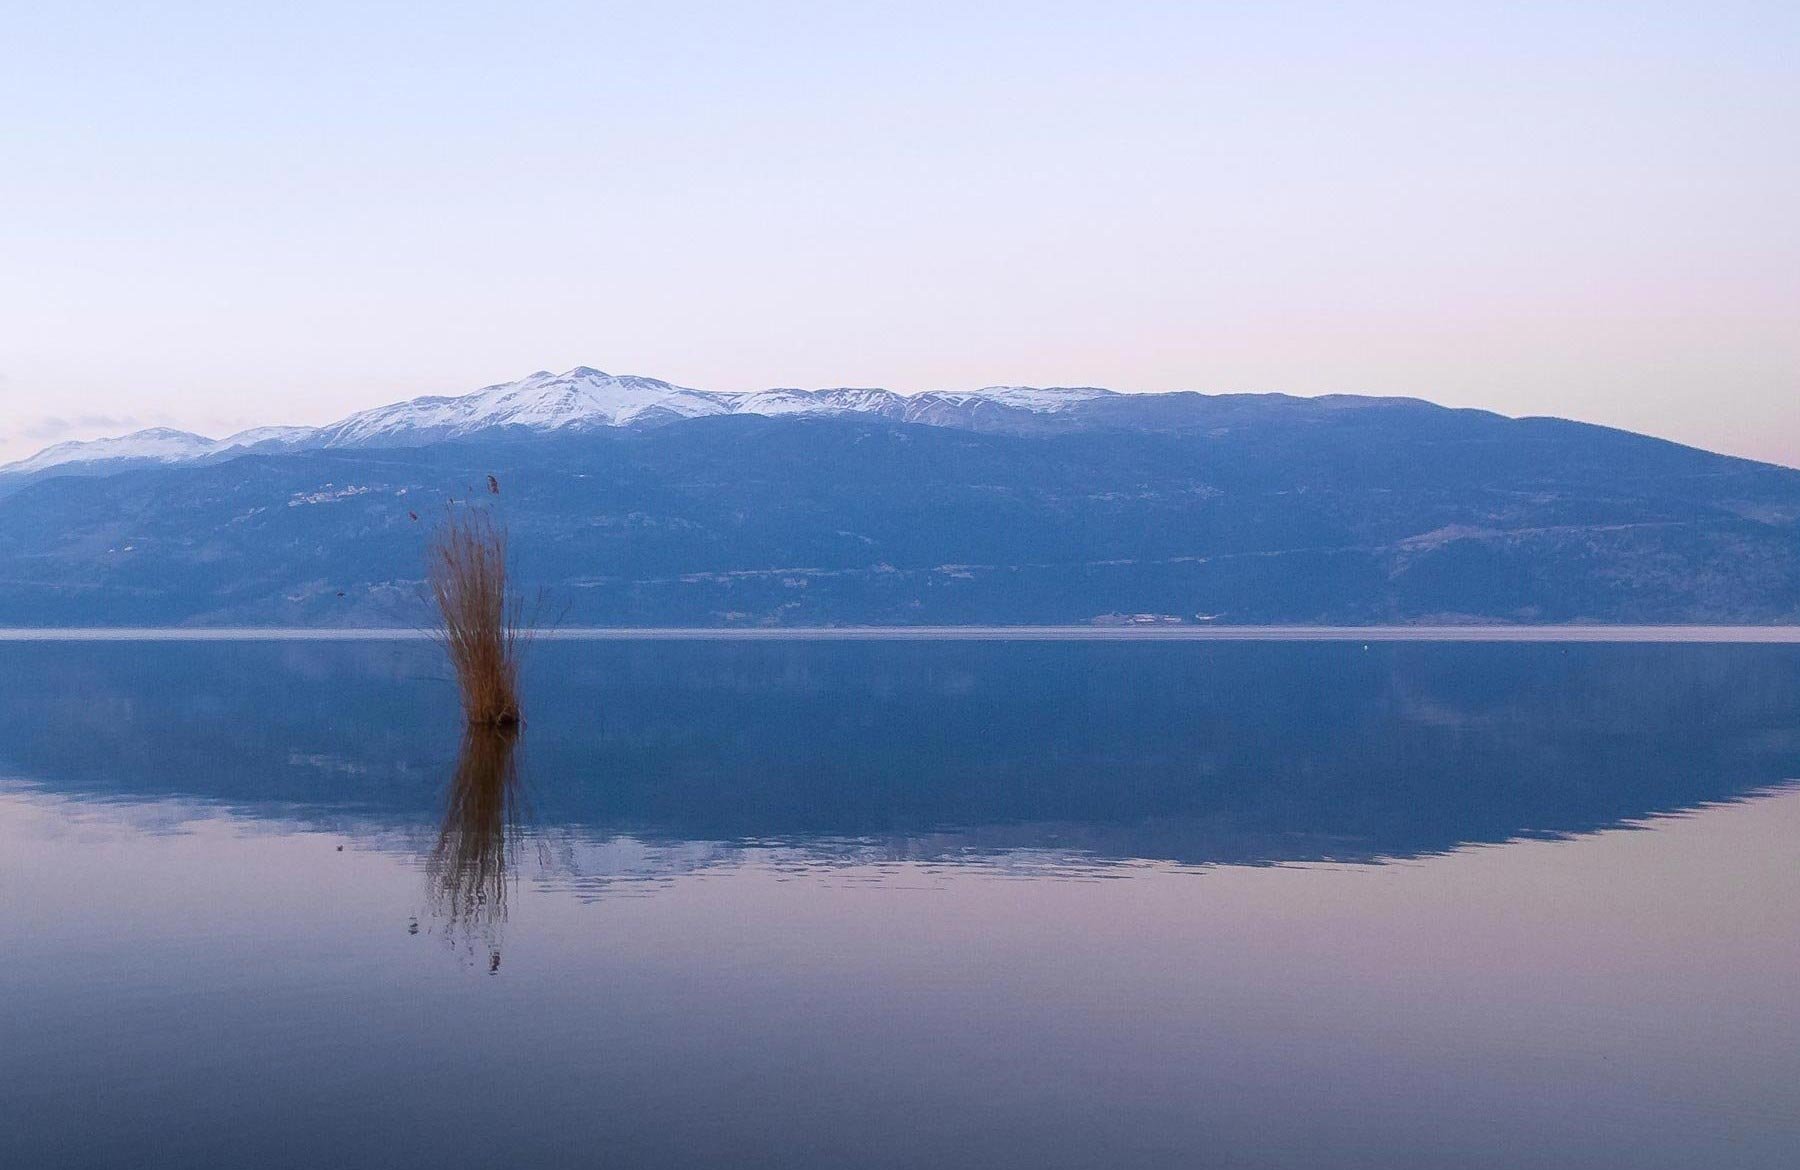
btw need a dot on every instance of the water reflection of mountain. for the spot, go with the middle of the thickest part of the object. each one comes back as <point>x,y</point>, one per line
<point>1247,753</point>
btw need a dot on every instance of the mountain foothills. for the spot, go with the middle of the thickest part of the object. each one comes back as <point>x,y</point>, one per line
<point>632,501</point>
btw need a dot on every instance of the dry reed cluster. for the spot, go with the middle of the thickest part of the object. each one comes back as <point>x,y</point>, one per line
<point>466,569</point>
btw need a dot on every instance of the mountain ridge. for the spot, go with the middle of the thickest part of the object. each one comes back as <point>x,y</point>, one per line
<point>634,501</point>
<point>585,398</point>
<point>1251,512</point>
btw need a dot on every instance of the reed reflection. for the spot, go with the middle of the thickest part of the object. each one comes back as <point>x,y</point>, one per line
<point>469,871</point>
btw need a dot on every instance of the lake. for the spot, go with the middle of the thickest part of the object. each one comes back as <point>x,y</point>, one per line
<point>999,903</point>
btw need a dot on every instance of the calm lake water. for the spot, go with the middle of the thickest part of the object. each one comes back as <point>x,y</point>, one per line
<point>902,904</point>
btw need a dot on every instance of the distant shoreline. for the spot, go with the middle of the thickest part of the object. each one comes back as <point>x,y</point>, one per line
<point>1774,635</point>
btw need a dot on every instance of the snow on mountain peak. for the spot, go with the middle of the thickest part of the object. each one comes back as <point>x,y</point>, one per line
<point>158,444</point>
<point>581,397</point>
<point>1040,399</point>
<point>841,400</point>
<point>265,437</point>
<point>578,399</point>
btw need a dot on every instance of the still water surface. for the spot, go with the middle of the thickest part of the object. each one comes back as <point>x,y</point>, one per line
<point>807,904</point>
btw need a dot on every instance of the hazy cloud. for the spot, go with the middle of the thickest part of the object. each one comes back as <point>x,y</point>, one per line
<point>51,428</point>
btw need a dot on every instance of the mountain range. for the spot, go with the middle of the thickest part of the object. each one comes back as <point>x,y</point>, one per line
<point>581,399</point>
<point>633,501</point>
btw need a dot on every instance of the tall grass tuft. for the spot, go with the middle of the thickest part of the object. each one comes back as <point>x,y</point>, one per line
<point>479,617</point>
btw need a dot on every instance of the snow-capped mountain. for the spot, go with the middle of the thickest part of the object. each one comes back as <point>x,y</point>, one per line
<point>1016,507</point>
<point>154,445</point>
<point>579,399</point>
<point>157,445</point>
<point>584,398</point>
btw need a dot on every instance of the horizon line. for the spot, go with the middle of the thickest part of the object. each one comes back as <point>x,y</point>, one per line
<point>1610,634</point>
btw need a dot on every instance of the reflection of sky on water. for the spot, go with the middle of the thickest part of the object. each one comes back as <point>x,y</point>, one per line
<point>889,906</point>
<point>1622,999</point>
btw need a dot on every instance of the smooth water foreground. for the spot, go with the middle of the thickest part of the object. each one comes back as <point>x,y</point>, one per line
<point>902,904</point>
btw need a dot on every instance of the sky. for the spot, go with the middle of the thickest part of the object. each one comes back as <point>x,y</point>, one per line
<point>220,215</point>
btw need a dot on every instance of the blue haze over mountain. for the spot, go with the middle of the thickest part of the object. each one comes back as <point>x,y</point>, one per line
<point>635,502</point>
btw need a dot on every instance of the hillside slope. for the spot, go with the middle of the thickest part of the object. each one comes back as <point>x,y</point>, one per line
<point>1245,511</point>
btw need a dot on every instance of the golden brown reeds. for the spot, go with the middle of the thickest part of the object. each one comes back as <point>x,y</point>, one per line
<point>480,620</point>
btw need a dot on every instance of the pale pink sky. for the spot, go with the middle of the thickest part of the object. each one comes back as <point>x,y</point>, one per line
<point>214,216</point>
